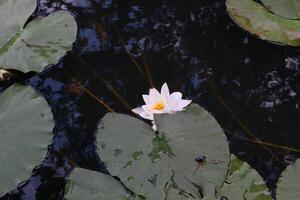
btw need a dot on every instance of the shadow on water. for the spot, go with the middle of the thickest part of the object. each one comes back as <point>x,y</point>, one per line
<point>124,47</point>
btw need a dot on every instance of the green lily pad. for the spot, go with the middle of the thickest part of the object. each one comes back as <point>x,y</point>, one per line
<point>288,184</point>
<point>85,184</point>
<point>243,182</point>
<point>161,165</point>
<point>37,44</point>
<point>256,19</point>
<point>25,131</point>
<point>289,9</point>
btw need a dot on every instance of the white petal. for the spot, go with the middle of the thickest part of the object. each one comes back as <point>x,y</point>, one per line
<point>167,109</point>
<point>165,90</point>
<point>146,115</point>
<point>146,108</point>
<point>183,103</point>
<point>147,99</point>
<point>158,111</point>
<point>154,95</point>
<point>172,103</point>
<point>176,95</point>
<point>174,99</point>
<point>137,110</point>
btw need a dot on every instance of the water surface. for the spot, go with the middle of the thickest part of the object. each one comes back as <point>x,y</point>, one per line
<point>250,86</point>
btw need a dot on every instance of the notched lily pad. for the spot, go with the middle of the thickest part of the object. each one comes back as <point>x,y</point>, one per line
<point>85,184</point>
<point>25,131</point>
<point>289,9</point>
<point>288,183</point>
<point>38,44</point>
<point>256,19</point>
<point>163,166</point>
<point>243,182</point>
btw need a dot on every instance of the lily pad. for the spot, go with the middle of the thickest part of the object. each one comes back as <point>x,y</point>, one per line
<point>161,165</point>
<point>25,131</point>
<point>243,182</point>
<point>32,46</point>
<point>91,185</point>
<point>288,184</point>
<point>256,19</point>
<point>289,9</point>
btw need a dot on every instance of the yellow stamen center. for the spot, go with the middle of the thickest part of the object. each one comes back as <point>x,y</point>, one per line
<point>158,106</point>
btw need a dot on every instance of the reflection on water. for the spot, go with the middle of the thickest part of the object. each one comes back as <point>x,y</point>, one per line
<point>124,47</point>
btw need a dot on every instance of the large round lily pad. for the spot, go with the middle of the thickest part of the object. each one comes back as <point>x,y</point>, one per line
<point>37,44</point>
<point>26,125</point>
<point>163,165</point>
<point>288,184</point>
<point>85,184</point>
<point>243,182</point>
<point>289,9</point>
<point>256,19</point>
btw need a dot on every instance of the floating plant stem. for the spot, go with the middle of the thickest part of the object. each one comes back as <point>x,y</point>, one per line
<point>233,115</point>
<point>88,92</point>
<point>115,93</point>
<point>95,97</point>
<point>134,61</point>
<point>147,68</point>
<point>245,128</point>
<point>291,149</point>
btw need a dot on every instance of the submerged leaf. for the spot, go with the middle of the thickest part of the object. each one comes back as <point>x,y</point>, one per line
<point>243,182</point>
<point>159,166</point>
<point>288,183</point>
<point>40,43</point>
<point>256,19</point>
<point>85,184</point>
<point>25,131</point>
<point>289,9</point>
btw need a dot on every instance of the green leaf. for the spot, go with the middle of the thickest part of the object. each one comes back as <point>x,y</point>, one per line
<point>256,19</point>
<point>289,9</point>
<point>25,131</point>
<point>288,184</point>
<point>84,184</point>
<point>40,43</point>
<point>243,182</point>
<point>13,16</point>
<point>159,166</point>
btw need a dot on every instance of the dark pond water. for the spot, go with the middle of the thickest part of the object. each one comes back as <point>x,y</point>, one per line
<point>250,86</point>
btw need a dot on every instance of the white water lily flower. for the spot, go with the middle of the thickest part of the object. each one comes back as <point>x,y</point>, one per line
<point>163,102</point>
